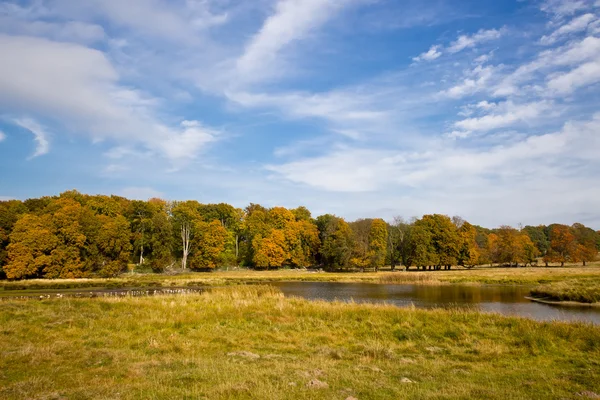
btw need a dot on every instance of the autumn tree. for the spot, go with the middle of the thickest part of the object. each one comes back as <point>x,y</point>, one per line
<point>468,254</point>
<point>563,246</point>
<point>30,250</point>
<point>436,242</point>
<point>378,235</point>
<point>270,251</point>
<point>208,245</point>
<point>422,253</point>
<point>10,211</point>
<point>114,245</point>
<point>586,239</point>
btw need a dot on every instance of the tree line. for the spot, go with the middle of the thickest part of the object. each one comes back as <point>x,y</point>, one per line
<point>74,235</point>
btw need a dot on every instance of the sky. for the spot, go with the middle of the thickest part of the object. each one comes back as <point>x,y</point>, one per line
<point>362,108</point>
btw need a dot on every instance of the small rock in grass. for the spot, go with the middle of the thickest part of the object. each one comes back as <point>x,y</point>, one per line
<point>245,354</point>
<point>589,395</point>
<point>317,384</point>
<point>406,380</point>
<point>291,383</point>
<point>351,398</point>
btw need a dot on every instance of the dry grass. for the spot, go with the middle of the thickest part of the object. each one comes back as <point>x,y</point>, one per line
<point>169,347</point>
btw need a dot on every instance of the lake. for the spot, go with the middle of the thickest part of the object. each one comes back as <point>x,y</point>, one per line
<point>506,300</point>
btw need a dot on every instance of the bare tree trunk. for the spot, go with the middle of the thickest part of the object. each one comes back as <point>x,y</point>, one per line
<point>237,246</point>
<point>142,249</point>
<point>185,240</point>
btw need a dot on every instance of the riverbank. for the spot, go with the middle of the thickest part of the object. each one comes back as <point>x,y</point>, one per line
<point>480,275</point>
<point>570,292</point>
<point>251,342</point>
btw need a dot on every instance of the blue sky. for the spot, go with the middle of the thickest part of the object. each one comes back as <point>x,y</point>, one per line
<point>363,108</point>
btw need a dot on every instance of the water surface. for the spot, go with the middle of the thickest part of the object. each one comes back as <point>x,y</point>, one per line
<point>506,300</point>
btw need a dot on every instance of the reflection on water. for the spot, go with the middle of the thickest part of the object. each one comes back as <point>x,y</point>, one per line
<point>507,300</point>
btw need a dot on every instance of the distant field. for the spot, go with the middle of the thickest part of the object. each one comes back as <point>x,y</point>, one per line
<point>483,275</point>
<point>250,342</point>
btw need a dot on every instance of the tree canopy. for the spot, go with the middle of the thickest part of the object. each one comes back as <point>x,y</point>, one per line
<point>76,235</point>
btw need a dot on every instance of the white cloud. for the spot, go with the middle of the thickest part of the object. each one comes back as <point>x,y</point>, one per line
<point>482,59</point>
<point>468,41</point>
<point>575,25</point>
<point>2,136</point>
<point>154,18</point>
<point>506,114</point>
<point>584,75</point>
<point>430,55</point>
<point>39,133</point>
<point>459,134</point>
<point>291,21</point>
<point>477,80</point>
<point>85,96</point>
<point>464,181</point>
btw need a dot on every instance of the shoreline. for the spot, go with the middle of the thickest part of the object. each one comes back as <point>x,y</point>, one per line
<point>566,303</point>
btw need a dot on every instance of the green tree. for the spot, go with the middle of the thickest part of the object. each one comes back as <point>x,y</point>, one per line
<point>538,236</point>
<point>336,241</point>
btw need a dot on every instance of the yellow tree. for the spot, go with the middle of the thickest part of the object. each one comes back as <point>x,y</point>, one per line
<point>66,257</point>
<point>528,251</point>
<point>270,251</point>
<point>114,245</point>
<point>30,248</point>
<point>469,254</point>
<point>378,236</point>
<point>208,246</point>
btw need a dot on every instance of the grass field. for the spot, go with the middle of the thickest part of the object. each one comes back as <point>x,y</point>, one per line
<point>249,342</point>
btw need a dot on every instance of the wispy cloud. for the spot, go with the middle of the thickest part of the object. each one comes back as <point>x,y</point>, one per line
<point>291,21</point>
<point>504,115</point>
<point>477,79</point>
<point>461,43</point>
<point>575,25</point>
<point>433,53</point>
<point>39,133</point>
<point>469,41</point>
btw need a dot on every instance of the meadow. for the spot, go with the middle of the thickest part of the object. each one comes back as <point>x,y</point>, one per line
<point>249,342</point>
